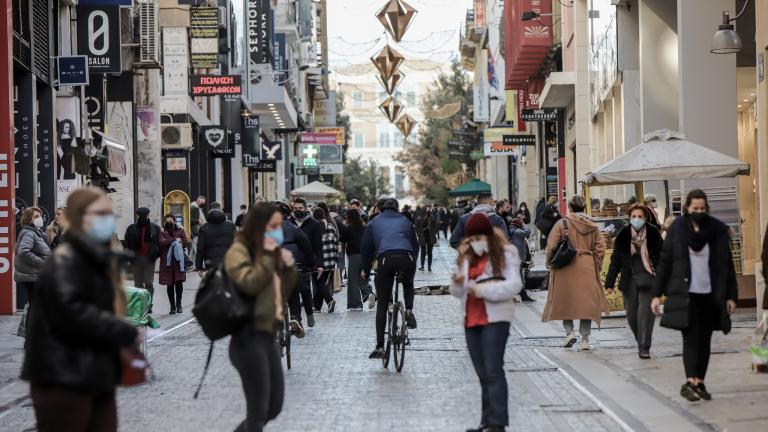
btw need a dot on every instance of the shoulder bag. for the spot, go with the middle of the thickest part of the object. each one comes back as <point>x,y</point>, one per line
<point>564,252</point>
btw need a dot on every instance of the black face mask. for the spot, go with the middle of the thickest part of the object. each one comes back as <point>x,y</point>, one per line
<point>699,218</point>
<point>170,226</point>
<point>300,214</point>
<point>504,213</point>
<point>143,220</point>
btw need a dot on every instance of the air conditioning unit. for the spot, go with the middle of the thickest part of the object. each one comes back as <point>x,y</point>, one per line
<point>149,33</point>
<point>176,136</point>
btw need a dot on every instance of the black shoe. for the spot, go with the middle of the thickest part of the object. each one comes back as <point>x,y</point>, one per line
<point>480,428</point>
<point>178,308</point>
<point>297,329</point>
<point>526,298</point>
<point>421,268</point>
<point>311,320</point>
<point>410,319</point>
<point>332,306</point>
<point>429,269</point>
<point>645,355</point>
<point>494,429</point>
<point>689,392</point>
<point>701,390</point>
<point>378,353</point>
<point>173,310</point>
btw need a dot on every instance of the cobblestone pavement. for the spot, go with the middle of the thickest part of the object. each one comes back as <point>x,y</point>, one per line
<point>334,387</point>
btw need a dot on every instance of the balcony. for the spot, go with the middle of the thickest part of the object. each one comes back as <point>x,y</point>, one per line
<point>467,44</point>
<point>286,19</point>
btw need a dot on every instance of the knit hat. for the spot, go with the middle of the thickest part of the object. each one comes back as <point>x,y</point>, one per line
<point>478,224</point>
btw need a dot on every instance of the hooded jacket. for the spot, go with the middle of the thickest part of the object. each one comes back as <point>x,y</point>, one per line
<point>458,233</point>
<point>214,239</point>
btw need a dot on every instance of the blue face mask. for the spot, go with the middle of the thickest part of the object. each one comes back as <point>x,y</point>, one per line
<point>637,224</point>
<point>102,228</point>
<point>276,235</point>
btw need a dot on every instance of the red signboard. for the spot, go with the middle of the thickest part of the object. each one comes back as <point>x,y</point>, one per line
<point>215,85</point>
<point>318,138</point>
<point>527,42</point>
<point>7,175</point>
<point>532,92</point>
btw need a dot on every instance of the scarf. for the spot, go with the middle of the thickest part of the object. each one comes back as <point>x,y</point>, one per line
<point>640,241</point>
<point>698,239</point>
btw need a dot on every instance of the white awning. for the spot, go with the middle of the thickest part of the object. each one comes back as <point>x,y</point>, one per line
<point>666,155</point>
<point>315,188</point>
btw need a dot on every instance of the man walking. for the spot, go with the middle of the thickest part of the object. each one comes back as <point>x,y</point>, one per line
<point>142,238</point>
<point>484,205</point>
<point>214,239</point>
<point>197,219</point>
<point>314,232</point>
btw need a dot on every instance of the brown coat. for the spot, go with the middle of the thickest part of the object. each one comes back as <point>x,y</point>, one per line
<point>575,291</point>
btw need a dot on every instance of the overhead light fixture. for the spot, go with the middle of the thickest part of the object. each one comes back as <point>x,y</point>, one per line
<point>270,105</point>
<point>726,40</point>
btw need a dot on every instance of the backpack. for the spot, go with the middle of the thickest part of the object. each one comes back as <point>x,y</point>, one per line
<point>221,310</point>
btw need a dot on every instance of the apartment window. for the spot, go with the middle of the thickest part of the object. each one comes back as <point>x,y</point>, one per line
<point>357,99</point>
<point>410,97</point>
<point>384,138</point>
<point>359,140</point>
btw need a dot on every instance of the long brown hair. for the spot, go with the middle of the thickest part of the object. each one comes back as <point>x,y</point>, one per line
<point>252,234</point>
<point>28,215</point>
<point>497,244</point>
<point>77,202</point>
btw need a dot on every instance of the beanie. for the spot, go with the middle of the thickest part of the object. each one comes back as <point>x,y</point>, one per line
<point>478,224</point>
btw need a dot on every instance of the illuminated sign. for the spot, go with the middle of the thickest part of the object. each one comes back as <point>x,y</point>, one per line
<point>215,85</point>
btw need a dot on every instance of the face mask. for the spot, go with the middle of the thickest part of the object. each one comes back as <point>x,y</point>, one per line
<point>299,214</point>
<point>38,222</point>
<point>522,208</point>
<point>276,235</point>
<point>480,247</point>
<point>699,217</point>
<point>637,224</point>
<point>170,225</point>
<point>102,228</point>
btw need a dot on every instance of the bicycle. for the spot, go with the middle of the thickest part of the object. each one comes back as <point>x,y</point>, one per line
<point>397,329</point>
<point>283,336</point>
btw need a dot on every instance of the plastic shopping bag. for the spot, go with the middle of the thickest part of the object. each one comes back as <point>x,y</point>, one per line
<point>759,345</point>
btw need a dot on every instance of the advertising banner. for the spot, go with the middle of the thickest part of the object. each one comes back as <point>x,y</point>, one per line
<point>95,103</point>
<point>532,93</point>
<point>318,138</point>
<point>251,141</point>
<point>280,62</point>
<point>330,154</point>
<point>510,103</point>
<point>24,141</point>
<point>98,37</point>
<point>272,150</point>
<point>481,93</point>
<point>215,85</point>
<point>338,131</point>
<point>213,139</point>
<point>259,31</point>
<point>480,14</point>
<point>204,37</point>
<point>499,149</point>
<point>175,61</point>
<point>68,129</point>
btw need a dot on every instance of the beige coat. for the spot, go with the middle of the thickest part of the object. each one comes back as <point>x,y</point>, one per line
<point>575,291</point>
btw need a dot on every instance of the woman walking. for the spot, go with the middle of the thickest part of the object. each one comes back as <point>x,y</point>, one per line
<point>75,334</point>
<point>31,252</point>
<point>635,257</point>
<point>426,232</point>
<point>55,230</point>
<point>325,281</point>
<point>696,274</point>
<point>575,291</point>
<point>173,241</point>
<point>487,279</point>
<point>358,290</point>
<point>266,274</point>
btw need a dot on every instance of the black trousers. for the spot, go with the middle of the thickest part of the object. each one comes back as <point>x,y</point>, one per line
<point>389,264</point>
<point>302,294</point>
<point>703,313</point>
<point>323,288</point>
<point>59,409</point>
<point>257,360</point>
<point>486,345</point>
<point>175,300</point>
<point>426,252</point>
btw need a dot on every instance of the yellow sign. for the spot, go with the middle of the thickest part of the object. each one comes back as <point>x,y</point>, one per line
<point>511,101</point>
<point>496,135</point>
<point>615,300</point>
<point>339,131</point>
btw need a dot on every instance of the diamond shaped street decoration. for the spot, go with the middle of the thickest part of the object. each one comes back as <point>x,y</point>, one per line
<point>391,108</point>
<point>390,85</point>
<point>405,124</point>
<point>387,61</point>
<point>396,16</point>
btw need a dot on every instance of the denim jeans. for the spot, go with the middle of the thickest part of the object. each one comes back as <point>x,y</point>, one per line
<point>486,346</point>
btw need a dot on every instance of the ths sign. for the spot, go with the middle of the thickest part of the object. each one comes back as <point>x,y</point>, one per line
<point>214,139</point>
<point>265,166</point>
<point>214,85</point>
<point>98,37</point>
<point>251,141</point>
<point>259,31</point>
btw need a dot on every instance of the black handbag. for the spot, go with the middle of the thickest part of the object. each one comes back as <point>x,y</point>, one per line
<point>643,280</point>
<point>564,252</point>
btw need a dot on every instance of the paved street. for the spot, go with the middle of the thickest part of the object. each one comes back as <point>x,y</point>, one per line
<point>333,386</point>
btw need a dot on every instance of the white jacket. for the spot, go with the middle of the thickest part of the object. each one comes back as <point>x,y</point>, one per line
<point>498,295</point>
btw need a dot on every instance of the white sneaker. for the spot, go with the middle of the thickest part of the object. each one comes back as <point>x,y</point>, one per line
<point>570,339</point>
<point>585,344</point>
<point>371,301</point>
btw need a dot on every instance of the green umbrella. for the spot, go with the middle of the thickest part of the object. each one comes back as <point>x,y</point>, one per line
<point>470,188</point>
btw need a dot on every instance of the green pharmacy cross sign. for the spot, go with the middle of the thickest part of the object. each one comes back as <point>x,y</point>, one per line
<point>310,153</point>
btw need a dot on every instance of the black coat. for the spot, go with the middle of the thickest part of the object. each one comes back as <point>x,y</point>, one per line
<point>214,240</point>
<point>133,237</point>
<point>296,242</point>
<point>314,232</point>
<point>621,260</point>
<point>73,335</point>
<point>674,273</point>
<point>549,216</point>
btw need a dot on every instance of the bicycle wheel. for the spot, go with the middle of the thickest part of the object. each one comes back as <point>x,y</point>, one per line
<point>388,344</point>
<point>400,335</point>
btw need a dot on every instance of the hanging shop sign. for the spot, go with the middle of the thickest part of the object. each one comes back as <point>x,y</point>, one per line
<point>332,169</point>
<point>524,140</point>
<point>265,166</point>
<point>309,155</point>
<point>480,14</point>
<point>318,138</point>
<point>24,141</point>
<point>204,37</point>
<point>280,62</point>
<point>251,141</point>
<point>214,140</point>
<point>496,134</point>
<point>482,93</point>
<point>259,31</point>
<point>330,154</point>
<point>98,37</point>
<point>272,150</point>
<point>106,2</point>
<point>215,85</point>
<point>499,149</point>
<point>532,93</point>
<point>338,131</point>
<point>72,70</point>
<point>545,114</point>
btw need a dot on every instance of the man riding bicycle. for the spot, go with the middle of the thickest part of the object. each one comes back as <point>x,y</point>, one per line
<point>391,240</point>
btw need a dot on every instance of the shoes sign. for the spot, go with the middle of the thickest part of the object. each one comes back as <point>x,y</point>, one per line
<point>98,37</point>
<point>214,140</point>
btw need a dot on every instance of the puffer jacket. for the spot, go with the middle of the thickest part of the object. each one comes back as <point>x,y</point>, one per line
<point>73,334</point>
<point>31,253</point>
<point>255,278</point>
<point>214,239</point>
<point>498,295</point>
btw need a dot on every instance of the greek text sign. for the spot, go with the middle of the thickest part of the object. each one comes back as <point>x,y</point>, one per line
<point>215,85</point>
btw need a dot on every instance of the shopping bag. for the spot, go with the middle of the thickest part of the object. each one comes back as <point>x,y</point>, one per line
<point>759,345</point>
<point>336,280</point>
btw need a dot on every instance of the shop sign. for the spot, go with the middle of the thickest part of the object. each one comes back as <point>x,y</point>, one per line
<point>331,169</point>
<point>72,70</point>
<point>325,110</point>
<point>265,166</point>
<point>251,141</point>
<point>329,154</point>
<point>105,2</point>
<point>524,140</point>
<point>545,114</point>
<point>98,37</point>
<point>308,171</point>
<point>496,134</point>
<point>280,58</point>
<point>480,15</point>
<point>532,93</point>
<point>214,140</point>
<point>499,149</point>
<point>337,131</point>
<point>259,31</point>
<point>215,85</point>
<point>204,37</point>
<point>272,150</point>
<point>318,138</point>
<point>309,155</point>
<point>481,93</point>
<point>24,141</point>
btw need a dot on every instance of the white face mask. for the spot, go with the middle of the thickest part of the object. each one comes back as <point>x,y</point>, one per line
<point>38,222</point>
<point>480,247</point>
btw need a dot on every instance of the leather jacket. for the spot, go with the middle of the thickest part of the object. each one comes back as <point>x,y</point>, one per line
<point>73,334</point>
